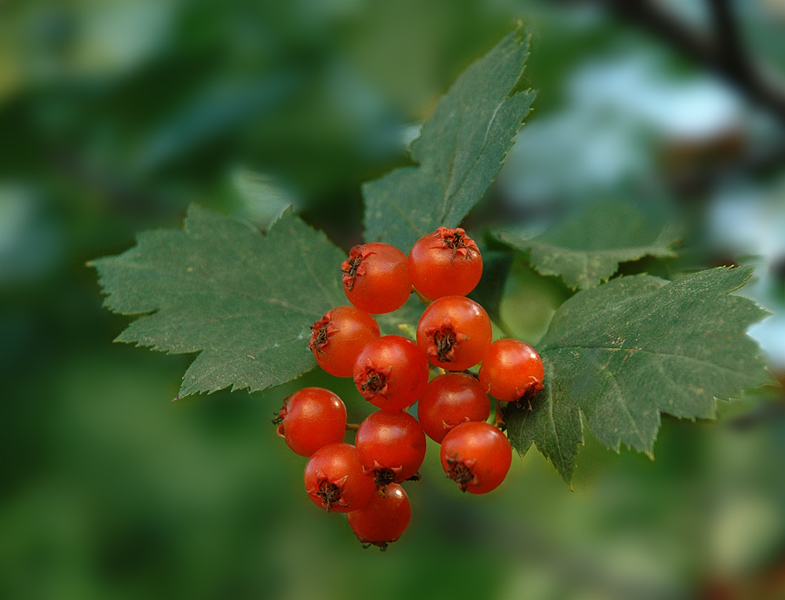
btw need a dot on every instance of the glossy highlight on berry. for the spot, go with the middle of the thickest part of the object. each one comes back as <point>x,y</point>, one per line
<point>477,456</point>
<point>391,372</point>
<point>338,337</point>
<point>310,418</point>
<point>454,332</point>
<point>334,479</point>
<point>375,278</point>
<point>511,370</point>
<point>449,400</point>
<point>391,445</point>
<point>446,262</point>
<point>384,518</point>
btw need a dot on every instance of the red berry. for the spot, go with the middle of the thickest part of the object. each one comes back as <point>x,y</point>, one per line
<point>449,400</point>
<point>391,372</point>
<point>384,518</point>
<point>338,337</point>
<point>335,481</point>
<point>511,369</point>
<point>376,278</point>
<point>455,333</point>
<point>446,262</point>
<point>311,418</point>
<point>391,445</point>
<point>477,456</point>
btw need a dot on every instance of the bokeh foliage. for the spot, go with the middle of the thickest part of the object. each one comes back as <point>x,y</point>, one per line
<point>116,116</point>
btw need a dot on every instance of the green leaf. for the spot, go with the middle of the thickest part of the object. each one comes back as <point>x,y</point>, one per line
<point>404,320</point>
<point>460,151</point>
<point>553,423</point>
<point>587,249</point>
<point>624,352</point>
<point>243,301</point>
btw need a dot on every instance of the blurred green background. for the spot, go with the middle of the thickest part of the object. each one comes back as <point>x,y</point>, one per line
<point>115,115</point>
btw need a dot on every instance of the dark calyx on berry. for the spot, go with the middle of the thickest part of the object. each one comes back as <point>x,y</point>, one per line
<point>526,398</point>
<point>461,472</point>
<point>381,545</point>
<point>280,416</point>
<point>457,240</point>
<point>374,382</point>
<point>352,267</point>
<point>329,494</point>
<point>321,331</point>
<point>383,476</point>
<point>444,340</point>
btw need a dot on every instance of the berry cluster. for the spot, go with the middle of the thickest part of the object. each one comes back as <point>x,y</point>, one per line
<point>392,372</point>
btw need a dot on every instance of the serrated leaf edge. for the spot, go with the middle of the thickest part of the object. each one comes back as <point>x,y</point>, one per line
<point>135,315</point>
<point>567,473</point>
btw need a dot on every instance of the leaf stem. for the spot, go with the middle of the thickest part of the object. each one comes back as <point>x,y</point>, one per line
<point>423,299</point>
<point>499,421</point>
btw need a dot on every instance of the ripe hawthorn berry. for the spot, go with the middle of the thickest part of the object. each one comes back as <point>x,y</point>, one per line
<point>454,332</point>
<point>391,445</point>
<point>376,278</point>
<point>446,262</point>
<point>511,369</point>
<point>311,418</point>
<point>449,400</point>
<point>477,456</point>
<point>391,372</point>
<point>335,481</point>
<point>383,519</point>
<point>338,337</point>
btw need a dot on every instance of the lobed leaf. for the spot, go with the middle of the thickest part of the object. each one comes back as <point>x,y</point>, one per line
<point>242,300</point>
<point>587,249</point>
<point>460,151</point>
<point>624,352</point>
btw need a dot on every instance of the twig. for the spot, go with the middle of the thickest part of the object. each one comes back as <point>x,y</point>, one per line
<point>721,51</point>
<point>730,50</point>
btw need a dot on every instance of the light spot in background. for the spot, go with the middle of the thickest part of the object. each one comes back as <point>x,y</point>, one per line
<point>638,88</point>
<point>262,199</point>
<point>746,220</point>
<point>118,36</point>
<point>693,12</point>
<point>749,220</point>
<point>775,8</point>
<point>618,112</point>
<point>29,242</point>
<point>744,528</point>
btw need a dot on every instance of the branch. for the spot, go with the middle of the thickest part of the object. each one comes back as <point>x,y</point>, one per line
<point>721,52</point>
<point>730,50</point>
<point>763,415</point>
<point>756,162</point>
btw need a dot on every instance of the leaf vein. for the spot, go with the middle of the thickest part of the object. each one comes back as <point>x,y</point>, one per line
<point>672,355</point>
